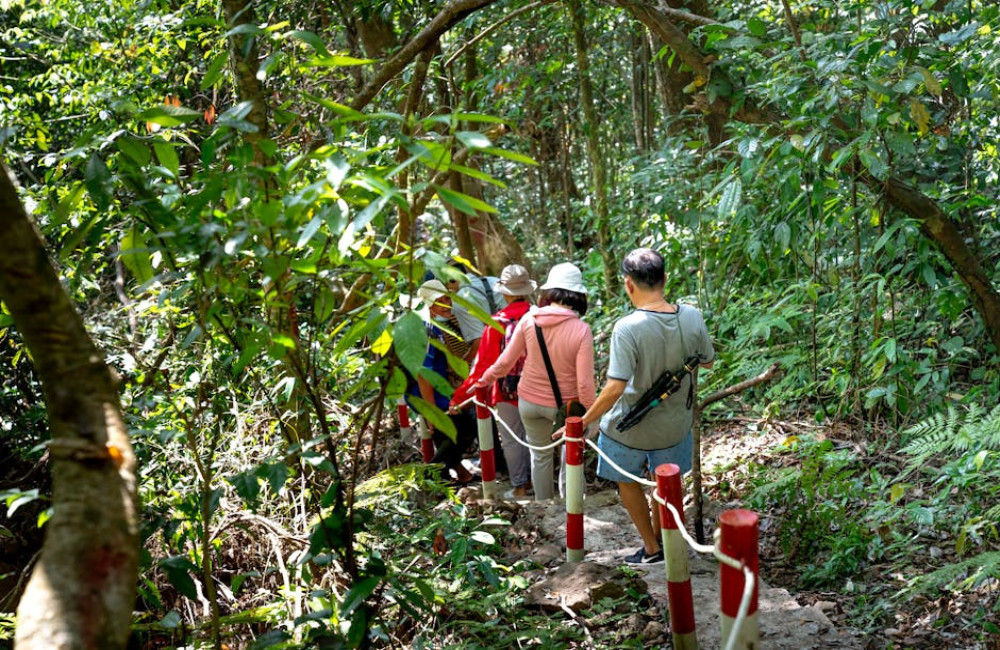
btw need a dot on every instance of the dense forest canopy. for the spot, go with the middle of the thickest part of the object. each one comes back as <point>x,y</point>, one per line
<point>239,199</point>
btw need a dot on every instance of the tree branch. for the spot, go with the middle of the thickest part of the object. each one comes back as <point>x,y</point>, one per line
<point>659,23</point>
<point>445,20</point>
<point>489,30</point>
<point>767,375</point>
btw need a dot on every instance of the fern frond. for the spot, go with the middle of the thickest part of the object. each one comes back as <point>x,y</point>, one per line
<point>783,482</point>
<point>991,430</point>
<point>967,574</point>
<point>993,514</point>
<point>957,431</point>
<point>396,482</point>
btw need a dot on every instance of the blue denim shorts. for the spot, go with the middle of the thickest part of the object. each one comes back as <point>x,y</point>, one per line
<point>638,461</point>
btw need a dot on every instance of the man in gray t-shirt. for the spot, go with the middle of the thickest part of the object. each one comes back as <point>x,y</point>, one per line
<point>643,345</point>
<point>656,337</point>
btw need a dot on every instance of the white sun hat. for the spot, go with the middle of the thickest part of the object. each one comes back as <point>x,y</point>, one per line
<point>565,276</point>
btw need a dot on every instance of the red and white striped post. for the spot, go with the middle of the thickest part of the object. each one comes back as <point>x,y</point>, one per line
<point>681,600</point>
<point>574,489</point>
<point>426,442</point>
<point>487,460</point>
<point>739,541</point>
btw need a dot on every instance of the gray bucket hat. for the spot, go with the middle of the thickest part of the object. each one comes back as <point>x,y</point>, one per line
<point>515,281</point>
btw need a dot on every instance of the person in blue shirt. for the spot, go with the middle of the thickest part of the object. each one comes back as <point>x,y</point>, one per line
<point>448,452</point>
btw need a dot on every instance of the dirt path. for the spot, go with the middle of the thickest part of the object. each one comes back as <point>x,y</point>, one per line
<point>609,536</point>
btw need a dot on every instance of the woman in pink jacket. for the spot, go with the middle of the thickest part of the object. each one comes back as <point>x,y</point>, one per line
<point>570,344</point>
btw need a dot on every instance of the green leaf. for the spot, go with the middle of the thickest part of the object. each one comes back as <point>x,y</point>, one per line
<point>336,61</point>
<point>310,39</point>
<point>748,147</point>
<point>167,115</point>
<point>73,239</point>
<point>248,354</point>
<point>477,174</point>
<point>482,537</point>
<point>839,158</point>
<point>97,178</point>
<point>900,142</point>
<point>357,594</point>
<point>463,202</point>
<point>959,84</point>
<point>68,203</point>
<point>276,475</point>
<point>921,116</point>
<point>214,72</point>
<point>731,199</point>
<point>959,35</point>
<point>358,630</point>
<point>929,275</point>
<point>134,148</point>
<point>782,236</point>
<point>283,340</point>
<point>409,336</point>
<point>309,230</point>
<point>931,83</point>
<point>510,155</point>
<point>247,485</point>
<point>757,27</point>
<point>890,350</point>
<point>178,570</point>
<point>245,28</point>
<point>478,117</point>
<point>435,417</point>
<point>363,219</point>
<point>425,590</point>
<point>167,155</point>
<point>135,255</point>
<point>473,139</point>
<point>874,163</point>
<point>270,639</point>
<point>953,345</point>
<point>16,498</point>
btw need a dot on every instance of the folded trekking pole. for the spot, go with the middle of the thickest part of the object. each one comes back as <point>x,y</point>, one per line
<point>665,385</point>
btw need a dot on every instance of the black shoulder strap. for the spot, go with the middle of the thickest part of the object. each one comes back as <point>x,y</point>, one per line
<point>488,291</point>
<point>548,366</point>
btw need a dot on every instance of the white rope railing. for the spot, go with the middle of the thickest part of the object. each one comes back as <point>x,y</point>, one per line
<point>714,549</point>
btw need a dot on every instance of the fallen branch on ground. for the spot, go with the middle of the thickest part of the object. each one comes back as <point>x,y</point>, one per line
<point>767,375</point>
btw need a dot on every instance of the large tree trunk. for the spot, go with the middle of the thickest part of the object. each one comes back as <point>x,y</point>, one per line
<point>82,590</point>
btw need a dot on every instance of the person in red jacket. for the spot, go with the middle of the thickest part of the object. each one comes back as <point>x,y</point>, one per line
<point>515,286</point>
